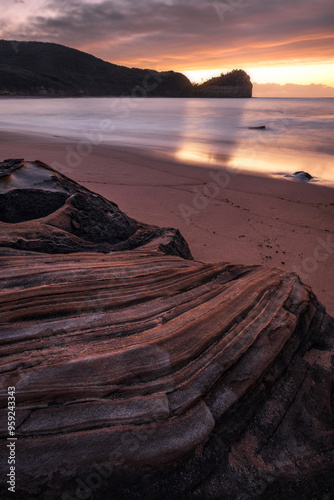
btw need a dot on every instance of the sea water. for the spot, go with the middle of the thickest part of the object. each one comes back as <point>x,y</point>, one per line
<point>298,133</point>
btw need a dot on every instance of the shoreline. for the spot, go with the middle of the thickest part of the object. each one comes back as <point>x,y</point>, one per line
<point>225,215</point>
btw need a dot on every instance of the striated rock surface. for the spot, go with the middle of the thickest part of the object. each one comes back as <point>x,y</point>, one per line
<point>140,375</point>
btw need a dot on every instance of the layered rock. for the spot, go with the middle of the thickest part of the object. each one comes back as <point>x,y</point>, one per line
<point>141,375</point>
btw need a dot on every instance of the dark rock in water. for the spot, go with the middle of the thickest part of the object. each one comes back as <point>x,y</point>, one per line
<point>260,127</point>
<point>140,375</point>
<point>305,176</point>
<point>300,176</point>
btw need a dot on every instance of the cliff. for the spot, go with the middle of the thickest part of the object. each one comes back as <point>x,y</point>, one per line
<point>52,70</point>
<point>140,373</point>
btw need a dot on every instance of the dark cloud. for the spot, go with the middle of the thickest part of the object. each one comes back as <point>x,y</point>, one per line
<point>187,32</point>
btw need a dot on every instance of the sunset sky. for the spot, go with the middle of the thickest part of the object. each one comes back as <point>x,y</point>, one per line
<point>275,41</point>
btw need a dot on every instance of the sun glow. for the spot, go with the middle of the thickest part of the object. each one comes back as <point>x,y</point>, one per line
<point>298,74</point>
<point>200,76</point>
<point>301,75</point>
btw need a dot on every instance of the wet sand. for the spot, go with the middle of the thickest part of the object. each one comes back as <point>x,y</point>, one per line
<point>224,215</point>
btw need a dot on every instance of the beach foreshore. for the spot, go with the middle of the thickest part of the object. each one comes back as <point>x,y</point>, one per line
<point>225,215</point>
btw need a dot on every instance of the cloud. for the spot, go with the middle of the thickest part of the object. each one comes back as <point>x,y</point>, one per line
<point>183,34</point>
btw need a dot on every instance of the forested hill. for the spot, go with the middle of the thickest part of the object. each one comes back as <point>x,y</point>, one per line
<point>53,70</point>
<point>37,68</point>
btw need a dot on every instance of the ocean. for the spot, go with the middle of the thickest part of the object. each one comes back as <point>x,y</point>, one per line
<point>298,133</point>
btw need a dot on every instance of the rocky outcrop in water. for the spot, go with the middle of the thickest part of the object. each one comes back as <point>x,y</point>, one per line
<point>140,375</point>
<point>236,83</point>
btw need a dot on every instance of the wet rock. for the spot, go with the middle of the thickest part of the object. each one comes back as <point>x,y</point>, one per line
<point>304,176</point>
<point>300,176</point>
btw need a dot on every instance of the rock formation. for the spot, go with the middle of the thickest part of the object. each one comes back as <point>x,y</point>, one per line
<point>141,375</point>
<point>300,175</point>
<point>305,176</point>
<point>236,83</point>
<point>47,212</point>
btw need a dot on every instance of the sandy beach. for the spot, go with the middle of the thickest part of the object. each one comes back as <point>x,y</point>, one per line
<point>224,215</point>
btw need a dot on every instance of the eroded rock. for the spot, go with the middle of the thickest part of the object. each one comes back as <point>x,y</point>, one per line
<point>140,375</point>
<point>44,211</point>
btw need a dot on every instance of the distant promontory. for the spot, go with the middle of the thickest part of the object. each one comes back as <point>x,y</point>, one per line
<point>53,70</point>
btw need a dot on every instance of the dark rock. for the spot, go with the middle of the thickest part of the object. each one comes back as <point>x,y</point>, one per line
<point>51,213</point>
<point>300,176</point>
<point>9,166</point>
<point>19,205</point>
<point>303,175</point>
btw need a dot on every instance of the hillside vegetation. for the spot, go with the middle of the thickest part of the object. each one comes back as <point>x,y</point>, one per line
<point>52,70</point>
